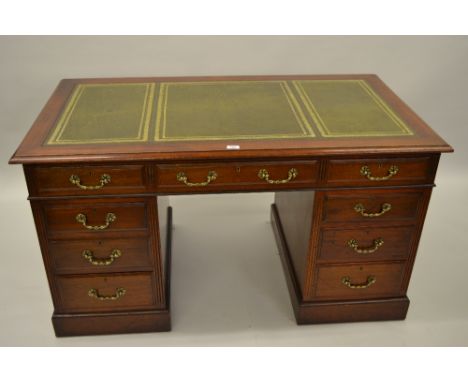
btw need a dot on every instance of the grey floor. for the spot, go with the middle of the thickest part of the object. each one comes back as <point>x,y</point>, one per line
<point>227,284</point>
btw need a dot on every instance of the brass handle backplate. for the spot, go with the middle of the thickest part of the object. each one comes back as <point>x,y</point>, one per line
<point>119,292</point>
<point>360,209</point>
<point>88,255</point>
<point>212,175</point>
<point>264,175</point>
<point>365,171</point>
<point>347,281</point>
<point>110,217</point>
<point>105,179</point>
<point>354,245</point>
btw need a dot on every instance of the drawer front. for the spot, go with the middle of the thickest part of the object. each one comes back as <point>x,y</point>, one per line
<point>280,175</point>
<point>237,176</point>
<point>365,244</point>
<point>353,282</point>
<point>372,205</point>
<point>104,255</point>
<point>94,216</point>
<point>380,172</point>
<point>87,180</point>
<point>187,178</point>
<point>103,293</point>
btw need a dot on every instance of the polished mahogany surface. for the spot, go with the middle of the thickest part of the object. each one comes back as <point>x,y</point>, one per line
<point>293,120</point>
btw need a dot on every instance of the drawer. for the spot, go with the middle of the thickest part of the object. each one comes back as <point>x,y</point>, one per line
<point>95,217</point>
<point>86,180</point>
<point>237,176</point>
<point>187,177</point>
<point>103,255</point>
<point>113,292</point>
<point>365,244</point>
<point>353,282</point>
<point>373,205</point>
<point>280,174</point>
<point>380,172</point>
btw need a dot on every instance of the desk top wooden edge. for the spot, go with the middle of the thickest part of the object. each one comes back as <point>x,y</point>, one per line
<point>34,150</point>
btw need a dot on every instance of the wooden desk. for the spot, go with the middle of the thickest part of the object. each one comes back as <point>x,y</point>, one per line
<point>352,168</point>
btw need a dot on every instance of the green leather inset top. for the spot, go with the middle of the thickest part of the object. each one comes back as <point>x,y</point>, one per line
<point>217,110</point>
<point>107,113</point>
<point>348,108</point>
<point>229,110</point>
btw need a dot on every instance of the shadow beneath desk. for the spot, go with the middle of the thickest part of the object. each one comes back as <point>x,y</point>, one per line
<point>232,284</point>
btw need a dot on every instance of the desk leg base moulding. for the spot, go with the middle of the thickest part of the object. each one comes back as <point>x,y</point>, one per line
<point>333,311</point>
<point>111,323</point>
<point>122,322</point>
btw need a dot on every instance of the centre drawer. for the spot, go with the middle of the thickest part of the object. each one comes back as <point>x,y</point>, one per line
<point>94,217</point>
<point>114,292</point>
<point>236,176</point>
<point>354,282</point>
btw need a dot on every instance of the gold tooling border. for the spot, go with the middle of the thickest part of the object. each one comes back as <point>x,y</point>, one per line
<point>292,102</point>
<point>142,136</point>
<point>296,107</point>
<point>326,132</point>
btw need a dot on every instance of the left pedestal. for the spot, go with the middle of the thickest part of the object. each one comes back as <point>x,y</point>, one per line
<point>157,320</point>
<point>107,256</point>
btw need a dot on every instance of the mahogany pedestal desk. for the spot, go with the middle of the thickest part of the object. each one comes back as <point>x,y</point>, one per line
<point>352,168</point>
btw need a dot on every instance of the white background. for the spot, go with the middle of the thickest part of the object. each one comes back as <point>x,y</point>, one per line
<point>227,284</point>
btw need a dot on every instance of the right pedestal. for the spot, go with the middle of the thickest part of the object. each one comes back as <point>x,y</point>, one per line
<point>348,254</point>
